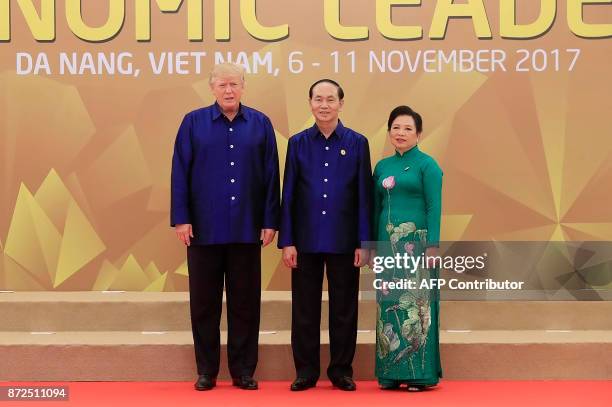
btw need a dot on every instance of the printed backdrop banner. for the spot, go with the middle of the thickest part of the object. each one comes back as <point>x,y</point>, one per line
<point>515,97</point>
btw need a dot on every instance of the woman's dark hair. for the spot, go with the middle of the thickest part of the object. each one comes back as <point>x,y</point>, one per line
<point>405,111</point>
<point>336,84</point>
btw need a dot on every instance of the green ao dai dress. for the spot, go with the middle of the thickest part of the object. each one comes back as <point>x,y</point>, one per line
<point>407,212</point>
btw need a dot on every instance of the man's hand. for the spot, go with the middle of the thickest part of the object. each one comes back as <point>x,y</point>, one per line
<point>290,256</point>
<point>267,235</point>
<point>184,232</point>
<point>361,257</point>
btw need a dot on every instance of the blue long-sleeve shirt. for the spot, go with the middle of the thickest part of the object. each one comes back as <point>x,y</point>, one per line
<point>327,190</point>
<point>225,178</point>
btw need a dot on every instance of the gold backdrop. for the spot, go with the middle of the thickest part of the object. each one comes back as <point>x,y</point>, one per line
<point>85,159</point>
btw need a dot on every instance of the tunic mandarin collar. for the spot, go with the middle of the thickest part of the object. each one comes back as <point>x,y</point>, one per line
<point>408,154</point>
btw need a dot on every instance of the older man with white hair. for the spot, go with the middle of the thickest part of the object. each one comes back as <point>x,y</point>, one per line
<point>225,206</point>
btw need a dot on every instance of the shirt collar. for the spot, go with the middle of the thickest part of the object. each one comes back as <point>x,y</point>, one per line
<point>409,153</point>
<point>339,131</point>
<point>216,112</point>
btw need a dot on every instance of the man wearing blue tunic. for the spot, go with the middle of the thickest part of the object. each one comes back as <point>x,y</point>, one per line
<point>325,217</point>
<point>225,205</point>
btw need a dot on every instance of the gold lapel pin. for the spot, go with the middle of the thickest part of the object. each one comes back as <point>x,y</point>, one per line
<point>343,152</point>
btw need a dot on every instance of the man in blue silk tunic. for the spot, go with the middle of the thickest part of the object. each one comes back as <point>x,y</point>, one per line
<point>225,205</point>
<point>325,216</point>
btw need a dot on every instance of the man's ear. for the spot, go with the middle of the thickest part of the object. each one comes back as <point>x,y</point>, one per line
<point>341,104</point>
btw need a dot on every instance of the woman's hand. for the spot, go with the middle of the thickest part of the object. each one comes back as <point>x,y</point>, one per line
<point>430,253</point>
<point>371,258</point>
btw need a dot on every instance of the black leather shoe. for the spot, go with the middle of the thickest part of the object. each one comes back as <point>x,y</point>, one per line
<point>302,383</point>
<point>344,383</point>
<point>205,382</point>
<point>245,383</point>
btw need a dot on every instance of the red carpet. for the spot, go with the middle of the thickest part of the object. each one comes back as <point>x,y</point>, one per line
<point>448,393</point>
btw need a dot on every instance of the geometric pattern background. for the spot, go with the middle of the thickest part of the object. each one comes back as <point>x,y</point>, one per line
<point>86,160</point>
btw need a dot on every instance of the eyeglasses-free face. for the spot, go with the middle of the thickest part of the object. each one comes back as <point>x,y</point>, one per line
<point>325,103</point>
<point>228,91</point>
<point>403,133</point>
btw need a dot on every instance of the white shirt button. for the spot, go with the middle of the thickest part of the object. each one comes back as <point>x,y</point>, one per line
<point>232,163</point>
<point>326,164</point>
<point>325,180</point>
<point>233,198</point>
<point>324,195</point>
<point>327,148</point>
<point>324,212</point>
<point>232,180</point>
<point>231,146</point>
<point>231,129</point>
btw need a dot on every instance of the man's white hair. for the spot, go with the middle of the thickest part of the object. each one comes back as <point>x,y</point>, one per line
<point>226,69</point>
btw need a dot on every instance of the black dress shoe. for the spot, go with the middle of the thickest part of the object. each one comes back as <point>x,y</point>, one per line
<point>245,383</point>
<point>205,382</point>
<point>302,383</point>
<point>344,383</point>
